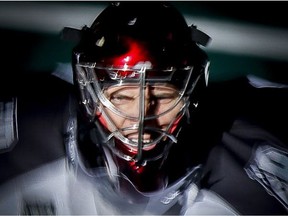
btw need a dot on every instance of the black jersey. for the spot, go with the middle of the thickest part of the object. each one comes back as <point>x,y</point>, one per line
<point>249,165</point>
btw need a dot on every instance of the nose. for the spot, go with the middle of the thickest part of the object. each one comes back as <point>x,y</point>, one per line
<point>142,106</point>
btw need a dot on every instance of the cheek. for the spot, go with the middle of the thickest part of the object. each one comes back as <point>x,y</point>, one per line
<point>116,119</point>
<point>170,116</point>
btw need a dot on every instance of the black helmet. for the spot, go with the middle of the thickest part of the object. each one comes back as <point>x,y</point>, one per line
<point>138,44</point>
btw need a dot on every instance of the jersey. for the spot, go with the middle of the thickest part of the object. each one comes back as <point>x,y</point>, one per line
<point>249,165</point>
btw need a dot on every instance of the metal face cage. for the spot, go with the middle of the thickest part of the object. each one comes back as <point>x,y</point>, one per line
<point>95,81</point>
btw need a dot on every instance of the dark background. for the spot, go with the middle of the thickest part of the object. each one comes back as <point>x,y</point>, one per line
<point>248,37</point>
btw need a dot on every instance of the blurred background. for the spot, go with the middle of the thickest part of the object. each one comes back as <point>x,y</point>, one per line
<point>248,37</point>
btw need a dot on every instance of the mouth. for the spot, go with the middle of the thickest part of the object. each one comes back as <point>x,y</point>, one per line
<point>149,145</point>
<point>147,142</point>
<point>149,139</point>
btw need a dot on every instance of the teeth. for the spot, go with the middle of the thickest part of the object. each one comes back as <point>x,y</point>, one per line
<point>144,141</point>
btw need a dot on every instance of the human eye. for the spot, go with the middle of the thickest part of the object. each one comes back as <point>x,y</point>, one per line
<point>120,99</point>
<point>165,98</point>
<point>122,95</point>
<point>164,95</point>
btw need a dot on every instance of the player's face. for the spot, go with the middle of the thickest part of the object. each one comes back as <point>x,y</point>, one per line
<point>159,105</point>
